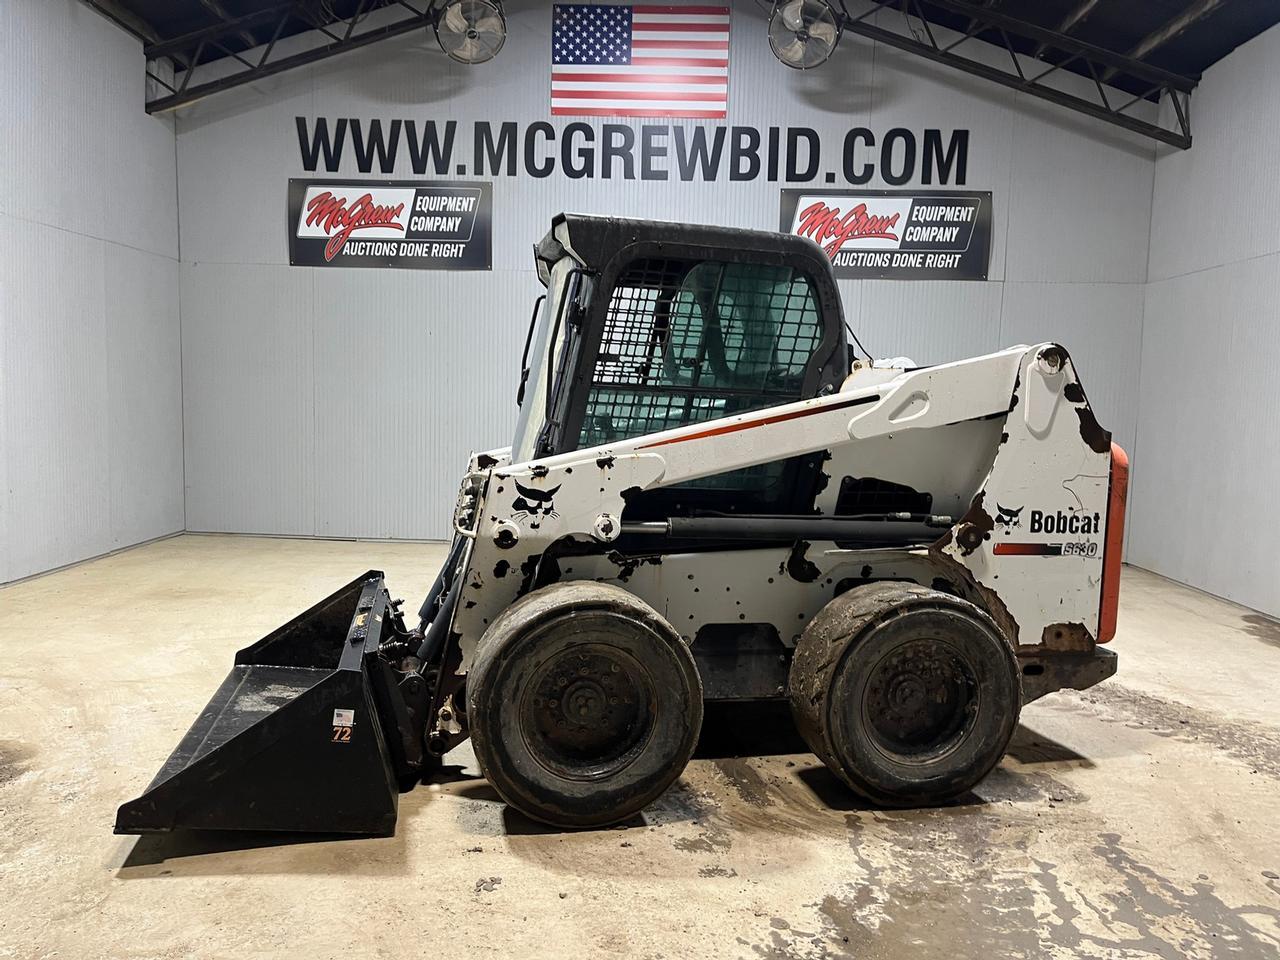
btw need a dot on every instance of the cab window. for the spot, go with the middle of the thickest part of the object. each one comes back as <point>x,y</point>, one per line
<point>688,341</point>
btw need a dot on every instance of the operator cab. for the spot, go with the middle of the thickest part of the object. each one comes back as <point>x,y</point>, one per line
<point>648,326</point>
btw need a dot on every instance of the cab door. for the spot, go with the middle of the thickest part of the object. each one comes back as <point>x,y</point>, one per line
<point>676,340</point>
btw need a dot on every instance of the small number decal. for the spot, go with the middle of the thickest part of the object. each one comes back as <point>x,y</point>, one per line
<point>1080,548</point>
<point>341,734</point>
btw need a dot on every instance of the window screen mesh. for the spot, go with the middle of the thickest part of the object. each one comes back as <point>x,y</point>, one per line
<point>688,341</point>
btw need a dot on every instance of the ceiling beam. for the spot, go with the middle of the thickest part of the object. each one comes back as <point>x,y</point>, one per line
<point>125,19</point>
<point>188,41</point>
<point>1069,22</point>
<point>1004,30</point>
<point>1157,38</point>
<point>266,66</point>
<point>1100,55</point>
<point>974,24</point>
<point>217,9</point>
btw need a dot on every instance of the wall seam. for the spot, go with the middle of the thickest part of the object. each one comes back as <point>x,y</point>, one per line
<point>94,236</point>
<point>182,356</point>
<point>1142,317</point>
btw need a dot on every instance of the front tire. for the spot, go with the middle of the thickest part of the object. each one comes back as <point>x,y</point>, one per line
<point>909,695</point>
<point>584,704</point>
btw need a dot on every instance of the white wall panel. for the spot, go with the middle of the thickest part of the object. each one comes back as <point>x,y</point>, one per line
<point>54,116</point>
<point>1080,206</point>
<point>1203,502</point>
<point>138,174</point>
<point>238,150</point>
<point>930,322</point>
<point>399,368</point>
<point>144,391</point>
<point>230,150</point>
<point>6,553</point>
<point>1202,508</point>
<point>1220,201</point>
<point>82,153</point>
<point>90,390</point>
<point>55,385</point>
<point>249,389</point>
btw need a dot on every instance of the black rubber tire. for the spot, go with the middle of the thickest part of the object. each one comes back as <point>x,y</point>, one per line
<point>909,695</point>
<point>634,667</point>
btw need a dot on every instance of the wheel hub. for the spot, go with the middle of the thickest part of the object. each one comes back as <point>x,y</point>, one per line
<point>589,712</point>
<point>920,699</point>
<point>584,703</point>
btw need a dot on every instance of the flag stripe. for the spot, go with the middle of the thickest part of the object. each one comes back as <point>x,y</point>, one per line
<point>694,68</point>
<point>674,26</point>
<point>707,96</point>
<point>651,79</point>
<point>645,9</point>
<point>576,111</point>
<point>655,108</point>
<point>681,44</point>
<point>624,90</point>
<point>676,62</point>
<point>642,60</point>
<point>678,36</point>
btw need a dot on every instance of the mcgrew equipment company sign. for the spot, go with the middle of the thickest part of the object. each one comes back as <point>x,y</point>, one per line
<point>420,224</point>
<point>895,234</point>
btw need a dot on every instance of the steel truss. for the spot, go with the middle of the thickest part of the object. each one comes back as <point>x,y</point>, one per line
<point>201,50</point>
<point>207,47</point>
<point>1100,64</point>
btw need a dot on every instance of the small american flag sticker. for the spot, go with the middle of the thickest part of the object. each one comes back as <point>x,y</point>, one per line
<point>344,718</point>
<point>642,60</point>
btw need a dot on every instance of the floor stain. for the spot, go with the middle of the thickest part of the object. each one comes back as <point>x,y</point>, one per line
<point>749,785</point>
<point>683,803</point>
<point>921,874</point>
<point>15,759</point>
<point>1262,628</point>
<point>1250,743</point>
<point>716,871</point>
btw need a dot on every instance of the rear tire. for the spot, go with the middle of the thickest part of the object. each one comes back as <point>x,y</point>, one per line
<point>909,695</point>
<point>584,704</point>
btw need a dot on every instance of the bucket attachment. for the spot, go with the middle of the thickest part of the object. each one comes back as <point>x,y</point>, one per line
<point>309,732</point>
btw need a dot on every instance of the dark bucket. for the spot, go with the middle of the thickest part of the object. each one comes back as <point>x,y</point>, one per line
<point>293,740</point>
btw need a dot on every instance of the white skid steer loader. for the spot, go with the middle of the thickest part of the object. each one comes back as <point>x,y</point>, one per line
<point>707,498</point>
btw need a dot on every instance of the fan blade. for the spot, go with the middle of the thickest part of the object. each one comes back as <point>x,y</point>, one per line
<point>793,14</point>
<point>454,19</point>
<point>824,33</point>
<point>793,52</point>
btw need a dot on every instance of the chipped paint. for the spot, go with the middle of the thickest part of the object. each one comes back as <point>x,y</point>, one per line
<point>974,527</point>
<point>1098,439</point>
<point>798,565</point>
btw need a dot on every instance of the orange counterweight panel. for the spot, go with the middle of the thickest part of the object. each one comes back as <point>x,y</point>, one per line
<point>1114,545</point>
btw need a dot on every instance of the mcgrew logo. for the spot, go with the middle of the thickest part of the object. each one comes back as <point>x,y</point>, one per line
<point>826,226</point>
<point>1060,522</point>
<point>332,215</point>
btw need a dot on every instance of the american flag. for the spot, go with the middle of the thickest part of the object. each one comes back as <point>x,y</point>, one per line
<point>639,60</point>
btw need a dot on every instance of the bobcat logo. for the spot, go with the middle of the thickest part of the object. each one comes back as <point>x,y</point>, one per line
<point>533,506</point>
<point>1008,518</point>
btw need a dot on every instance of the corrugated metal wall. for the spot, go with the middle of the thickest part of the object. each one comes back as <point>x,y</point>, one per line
<point>1208,460</point>
<point>282,405</point>
<point>90,391</point>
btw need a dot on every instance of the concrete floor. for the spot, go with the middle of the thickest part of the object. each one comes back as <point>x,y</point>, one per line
<point>1133,820</point>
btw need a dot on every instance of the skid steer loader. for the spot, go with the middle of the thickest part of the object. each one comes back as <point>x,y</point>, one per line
<point>708,497</point>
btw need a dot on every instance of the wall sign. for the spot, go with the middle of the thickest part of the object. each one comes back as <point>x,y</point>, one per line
<point>413,224</point>
<point>652,151</point>
<point>895,234</point>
